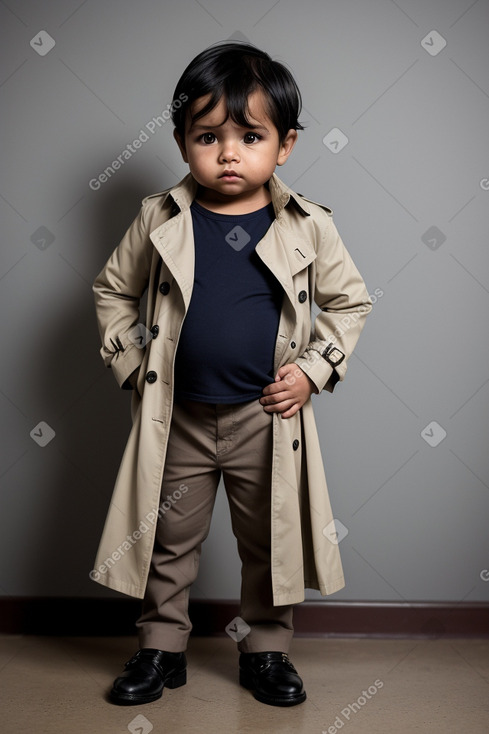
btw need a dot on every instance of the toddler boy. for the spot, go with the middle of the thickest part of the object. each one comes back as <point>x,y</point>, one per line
<point>231,259</point>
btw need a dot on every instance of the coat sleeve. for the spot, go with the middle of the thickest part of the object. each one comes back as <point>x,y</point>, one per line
<point>340,292</point>
<point>118,289</point>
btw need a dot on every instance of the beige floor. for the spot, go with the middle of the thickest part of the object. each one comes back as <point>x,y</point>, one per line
<point>57,686</point>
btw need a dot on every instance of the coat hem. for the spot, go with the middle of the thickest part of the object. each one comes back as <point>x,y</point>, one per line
<point>278,599</point>
<point>299,596</point>
<point>121,586</point>
<point>331,588</point>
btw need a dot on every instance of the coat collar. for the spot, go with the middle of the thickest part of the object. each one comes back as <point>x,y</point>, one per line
<point>185,191</point>
<point>283,255</point>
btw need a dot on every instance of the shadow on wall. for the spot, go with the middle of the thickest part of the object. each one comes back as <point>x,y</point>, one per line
<point>91,419</point>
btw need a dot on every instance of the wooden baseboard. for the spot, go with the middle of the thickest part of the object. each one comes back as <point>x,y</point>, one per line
<point>106,617</point>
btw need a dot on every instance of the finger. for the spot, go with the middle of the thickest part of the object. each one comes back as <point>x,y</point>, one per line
<point>292,411</point>
<point>276,388</point>
<point>278,407</point>
<point>282,371</point>
<point>277,397</point>
<point>270,389</point>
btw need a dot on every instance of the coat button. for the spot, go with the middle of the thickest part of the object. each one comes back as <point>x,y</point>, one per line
<point>151,376</point>
<point>302,296</point>
<point>164,288</point>
<point>295,445</point>
<point>155,330</point>
<point>293,345</point>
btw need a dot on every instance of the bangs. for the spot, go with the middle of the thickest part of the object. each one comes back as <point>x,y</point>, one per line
<point>234,71</point>
<point>236,102</point>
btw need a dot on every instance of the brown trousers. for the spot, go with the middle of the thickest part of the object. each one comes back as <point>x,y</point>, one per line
<point>205,441</point>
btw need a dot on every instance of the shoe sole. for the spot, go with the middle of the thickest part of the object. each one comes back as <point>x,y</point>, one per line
<point>247,683</point>
<point>128,700</point>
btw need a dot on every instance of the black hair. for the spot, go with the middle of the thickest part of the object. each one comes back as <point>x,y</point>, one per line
<point>235,70</point>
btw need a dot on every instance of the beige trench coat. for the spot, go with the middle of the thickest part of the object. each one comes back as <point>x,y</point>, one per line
<point>305,253</point>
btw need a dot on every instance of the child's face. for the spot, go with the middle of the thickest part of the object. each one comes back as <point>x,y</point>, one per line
<point>230,162</point>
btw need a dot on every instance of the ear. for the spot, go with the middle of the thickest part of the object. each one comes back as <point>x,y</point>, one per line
<point>181,145</point>
<point>286,147</point>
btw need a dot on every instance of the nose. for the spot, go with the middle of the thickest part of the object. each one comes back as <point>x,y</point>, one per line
<point>229,152</point>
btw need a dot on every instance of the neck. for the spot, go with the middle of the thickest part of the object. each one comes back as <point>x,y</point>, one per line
<point>245,204</point>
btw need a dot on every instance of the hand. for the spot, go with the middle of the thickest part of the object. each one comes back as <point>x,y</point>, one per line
<point>288,393</point>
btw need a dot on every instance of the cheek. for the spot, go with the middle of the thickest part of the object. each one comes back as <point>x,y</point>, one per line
<point>200,156</point>
<point>193,159</point>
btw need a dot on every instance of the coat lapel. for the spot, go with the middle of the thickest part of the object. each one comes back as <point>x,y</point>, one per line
<point>284,251</point>
<point>174,239</point>
<point>174,242</point>
<point>285,257</point>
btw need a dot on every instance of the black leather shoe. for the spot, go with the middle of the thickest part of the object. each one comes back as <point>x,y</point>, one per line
<point>146,674</point>
<point>272,677</point>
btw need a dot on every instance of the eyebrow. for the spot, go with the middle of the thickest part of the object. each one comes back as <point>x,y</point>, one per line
<point>214,127</point>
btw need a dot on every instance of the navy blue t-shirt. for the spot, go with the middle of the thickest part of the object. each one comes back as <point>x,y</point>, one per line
<point>226,346</point>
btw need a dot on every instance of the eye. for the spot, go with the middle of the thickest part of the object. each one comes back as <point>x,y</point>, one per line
<point>251,138</point>
<point>208,138</point>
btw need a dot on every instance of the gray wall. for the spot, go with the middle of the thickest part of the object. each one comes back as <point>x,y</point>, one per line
<point>405,437</point>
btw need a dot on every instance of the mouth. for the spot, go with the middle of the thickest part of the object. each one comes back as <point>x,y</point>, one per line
<point>230,176</point>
